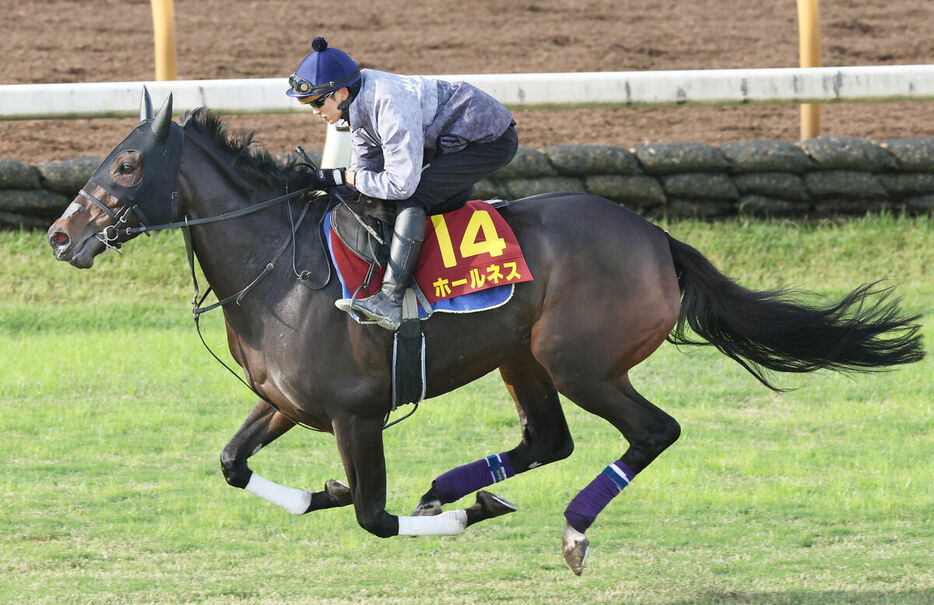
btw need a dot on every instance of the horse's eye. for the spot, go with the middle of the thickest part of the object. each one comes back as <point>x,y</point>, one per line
<point>126,168</point>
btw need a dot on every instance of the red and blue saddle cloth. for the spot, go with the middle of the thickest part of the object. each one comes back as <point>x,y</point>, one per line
<point>470,261</point>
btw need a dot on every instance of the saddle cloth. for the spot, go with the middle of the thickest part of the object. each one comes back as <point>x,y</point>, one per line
<point>470,262</point>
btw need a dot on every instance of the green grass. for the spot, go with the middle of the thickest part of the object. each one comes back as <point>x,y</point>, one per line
<point>112,418</point>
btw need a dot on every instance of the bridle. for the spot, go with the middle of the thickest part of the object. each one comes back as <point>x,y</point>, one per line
<point>114,232</point>
<point>110,235</point>
<point>113,235</point>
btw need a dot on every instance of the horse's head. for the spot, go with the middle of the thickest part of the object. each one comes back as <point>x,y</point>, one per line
<point>135,185</point>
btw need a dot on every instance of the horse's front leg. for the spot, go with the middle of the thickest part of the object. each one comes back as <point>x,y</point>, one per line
<point>262,427</point>
<point>360,441</point>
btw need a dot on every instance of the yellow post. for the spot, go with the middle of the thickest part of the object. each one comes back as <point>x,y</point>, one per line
<point>809,50</point>
<point>163,29</point>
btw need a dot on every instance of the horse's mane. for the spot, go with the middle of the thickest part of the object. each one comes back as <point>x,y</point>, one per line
<point>250,157</point>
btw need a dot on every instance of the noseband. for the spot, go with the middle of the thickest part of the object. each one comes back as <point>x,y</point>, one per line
<point>110,235</point>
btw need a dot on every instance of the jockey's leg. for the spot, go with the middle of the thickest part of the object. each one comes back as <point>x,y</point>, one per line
<point>445,184</point>
<point>386,305</point>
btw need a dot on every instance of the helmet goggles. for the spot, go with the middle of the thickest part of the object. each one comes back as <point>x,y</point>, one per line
<point>302,87</point>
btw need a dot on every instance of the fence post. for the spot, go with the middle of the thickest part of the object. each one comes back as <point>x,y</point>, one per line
<point>163,29</point>
<point>809,51</point>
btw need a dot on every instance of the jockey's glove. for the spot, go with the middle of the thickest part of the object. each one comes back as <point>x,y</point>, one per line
<point>329,177</point>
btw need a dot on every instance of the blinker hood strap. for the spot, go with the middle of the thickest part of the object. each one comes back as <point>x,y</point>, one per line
<point>154,197</point>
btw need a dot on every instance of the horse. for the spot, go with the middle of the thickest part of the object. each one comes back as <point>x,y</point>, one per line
<point>609,288</point>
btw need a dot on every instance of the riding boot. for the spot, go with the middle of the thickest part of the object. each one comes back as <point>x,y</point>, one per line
<point>385,307</point>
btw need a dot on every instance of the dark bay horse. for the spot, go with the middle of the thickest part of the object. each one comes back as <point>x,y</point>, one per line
<point>609,287</point>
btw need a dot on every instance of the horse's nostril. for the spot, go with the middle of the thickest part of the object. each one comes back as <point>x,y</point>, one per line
<point>58,239</point>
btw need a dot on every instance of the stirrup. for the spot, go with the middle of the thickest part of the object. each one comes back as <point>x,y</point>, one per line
<point>344,304</point>
<point>383,316</point>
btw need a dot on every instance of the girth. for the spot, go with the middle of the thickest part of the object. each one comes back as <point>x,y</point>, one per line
<point>349,218</point>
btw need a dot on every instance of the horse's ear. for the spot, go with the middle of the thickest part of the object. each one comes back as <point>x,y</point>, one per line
<point>160,125</point>
<point>145,107</point>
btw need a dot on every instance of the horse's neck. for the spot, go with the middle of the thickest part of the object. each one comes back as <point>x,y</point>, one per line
<point>232,253</point>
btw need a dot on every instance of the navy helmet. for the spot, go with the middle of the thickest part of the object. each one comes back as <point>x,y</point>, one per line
<point>322,71</point>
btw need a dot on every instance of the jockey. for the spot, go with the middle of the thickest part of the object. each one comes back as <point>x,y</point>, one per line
<point>417,142</point>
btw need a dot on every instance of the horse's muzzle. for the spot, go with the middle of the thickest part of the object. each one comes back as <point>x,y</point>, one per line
<point>79,251</point>
<point>58,239</point>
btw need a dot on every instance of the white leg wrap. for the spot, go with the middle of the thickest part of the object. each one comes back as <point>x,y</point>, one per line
<point>295,501</point>
<point>448,523</point>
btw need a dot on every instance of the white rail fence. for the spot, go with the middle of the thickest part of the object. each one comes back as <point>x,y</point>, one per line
<point>518,91</point>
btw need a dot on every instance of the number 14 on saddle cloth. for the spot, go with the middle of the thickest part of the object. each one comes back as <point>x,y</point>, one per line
<point>470,261</point>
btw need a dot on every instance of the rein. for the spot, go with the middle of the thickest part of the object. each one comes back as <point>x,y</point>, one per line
<point>112,233</point>
<point>220,217</point>
<point>197,309</point>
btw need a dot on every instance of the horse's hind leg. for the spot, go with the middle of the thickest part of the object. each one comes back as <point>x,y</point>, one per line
<point>545,439</point>
<point>649,432</point>
<point>262,427</point>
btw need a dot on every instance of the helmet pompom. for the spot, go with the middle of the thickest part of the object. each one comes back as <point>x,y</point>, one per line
<point>319,44</point>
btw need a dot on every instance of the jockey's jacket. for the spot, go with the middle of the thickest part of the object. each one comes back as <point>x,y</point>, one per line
<point>398,123</point>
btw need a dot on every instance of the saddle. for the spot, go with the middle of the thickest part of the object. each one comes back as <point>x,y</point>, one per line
<point>365,227</point>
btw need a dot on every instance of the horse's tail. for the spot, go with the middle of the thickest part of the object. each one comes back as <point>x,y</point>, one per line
<point>768,330</point>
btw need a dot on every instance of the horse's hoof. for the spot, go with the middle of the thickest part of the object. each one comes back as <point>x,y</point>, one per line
<point>493,505</point>
<point>427,509</point>
<point>576,547</point>
<point>338,492</point>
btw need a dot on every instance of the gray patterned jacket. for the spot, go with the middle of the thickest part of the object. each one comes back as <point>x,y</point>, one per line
<point>398,123</point>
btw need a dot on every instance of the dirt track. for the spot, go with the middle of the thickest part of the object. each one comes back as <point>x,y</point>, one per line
<point>110,40</point>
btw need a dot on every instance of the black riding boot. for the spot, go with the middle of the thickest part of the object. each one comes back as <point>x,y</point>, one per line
<point>386,305</point>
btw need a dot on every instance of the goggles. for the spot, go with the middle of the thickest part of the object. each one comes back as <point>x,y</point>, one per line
<point>301,85</point>
<point>305,87</point>
<point>317,103</point>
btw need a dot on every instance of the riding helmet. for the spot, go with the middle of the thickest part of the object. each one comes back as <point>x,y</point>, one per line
<point>323,70</point>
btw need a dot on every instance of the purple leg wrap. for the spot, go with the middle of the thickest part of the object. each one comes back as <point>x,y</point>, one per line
<point>587,504</point>
<point>458,482</point>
